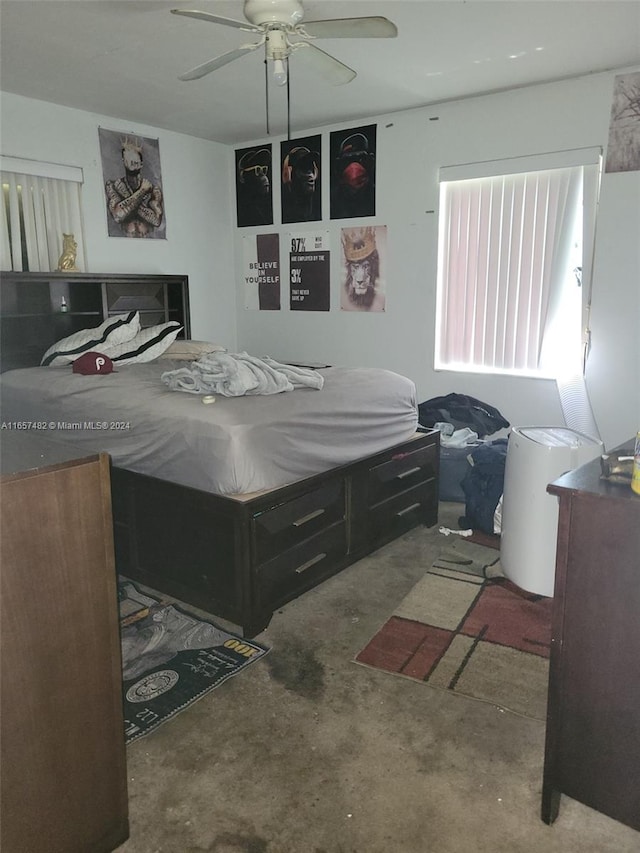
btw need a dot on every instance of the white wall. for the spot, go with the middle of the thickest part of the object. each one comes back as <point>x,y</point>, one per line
<point>196,199</point>
<point>412,146</point>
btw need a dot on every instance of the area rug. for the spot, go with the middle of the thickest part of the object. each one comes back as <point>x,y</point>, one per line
<point>465,628</point>
<point>170,659</point>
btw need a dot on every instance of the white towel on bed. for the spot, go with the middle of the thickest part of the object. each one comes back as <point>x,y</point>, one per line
<point>236,374</point>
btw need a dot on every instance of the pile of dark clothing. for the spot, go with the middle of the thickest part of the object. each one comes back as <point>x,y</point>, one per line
<point>483,481</point>
<point>461,411</point>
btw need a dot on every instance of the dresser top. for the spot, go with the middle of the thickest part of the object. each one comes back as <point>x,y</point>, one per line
<point>588,479</point>
<point>27,450</point>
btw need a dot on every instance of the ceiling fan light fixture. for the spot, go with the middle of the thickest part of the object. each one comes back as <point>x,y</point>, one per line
<point>279,72</point>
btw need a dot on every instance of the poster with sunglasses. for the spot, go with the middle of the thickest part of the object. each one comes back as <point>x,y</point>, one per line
<point>353,172</point>
<point>301,167</point>
<point>254,186</point>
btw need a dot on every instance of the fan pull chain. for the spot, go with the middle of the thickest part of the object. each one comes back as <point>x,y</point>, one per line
<point>266,94</point>
<point>288,103</point>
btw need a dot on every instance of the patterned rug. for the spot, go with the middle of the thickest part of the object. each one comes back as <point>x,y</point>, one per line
<point>170,658</point>
<point>464,627</point>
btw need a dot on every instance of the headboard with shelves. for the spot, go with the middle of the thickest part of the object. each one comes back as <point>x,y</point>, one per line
<point>38,309</point>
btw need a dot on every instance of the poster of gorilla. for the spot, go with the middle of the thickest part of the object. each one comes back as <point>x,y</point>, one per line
<point>353,172</point>
<point>300,162</point>
<point>253,186</point>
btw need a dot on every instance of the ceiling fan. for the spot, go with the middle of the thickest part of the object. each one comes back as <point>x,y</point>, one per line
<point>279,23</point>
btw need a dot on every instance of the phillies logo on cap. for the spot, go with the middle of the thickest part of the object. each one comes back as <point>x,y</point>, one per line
<point>93,362</point>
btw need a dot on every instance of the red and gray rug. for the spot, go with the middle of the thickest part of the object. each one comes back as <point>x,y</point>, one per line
<point>464,627</point>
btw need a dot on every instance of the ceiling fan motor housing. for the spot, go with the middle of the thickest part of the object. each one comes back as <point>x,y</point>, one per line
<point>287,12</point>
<point>277,45</point>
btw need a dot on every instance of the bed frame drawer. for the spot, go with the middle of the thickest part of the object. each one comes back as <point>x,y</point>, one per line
<point>303,566</point>
<point>242,559</point>
<point>402,472</point>
<point>404,511</point>
<point>281,528</point>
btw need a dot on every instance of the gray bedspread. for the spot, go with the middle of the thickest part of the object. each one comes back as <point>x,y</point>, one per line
<point>232,446</point>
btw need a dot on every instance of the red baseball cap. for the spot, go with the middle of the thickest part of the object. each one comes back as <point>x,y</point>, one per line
<point>93,362</point>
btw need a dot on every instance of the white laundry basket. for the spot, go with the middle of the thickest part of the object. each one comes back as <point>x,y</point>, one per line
<point>535,457</point>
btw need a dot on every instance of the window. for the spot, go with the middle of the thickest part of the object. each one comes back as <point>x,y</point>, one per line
<point>514,267</point>
<point>40,203</point>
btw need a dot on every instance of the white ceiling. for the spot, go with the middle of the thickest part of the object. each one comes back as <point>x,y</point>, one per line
<point>122,58</point>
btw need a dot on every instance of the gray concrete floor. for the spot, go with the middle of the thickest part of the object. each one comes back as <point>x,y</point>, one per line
<point>308,752</point>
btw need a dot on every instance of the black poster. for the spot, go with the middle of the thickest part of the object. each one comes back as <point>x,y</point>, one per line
<point>253,186</point>
<point>353,172</point>
<point>309,272</point>
<point>301,171</point>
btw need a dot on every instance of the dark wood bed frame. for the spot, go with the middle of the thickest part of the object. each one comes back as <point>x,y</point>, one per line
<point>238,558</point>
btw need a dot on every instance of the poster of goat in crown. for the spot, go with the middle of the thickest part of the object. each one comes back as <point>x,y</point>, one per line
<point>364,256</point>
<point>132,184</point>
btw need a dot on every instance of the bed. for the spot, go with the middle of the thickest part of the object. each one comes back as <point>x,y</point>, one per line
<point>241,504</point>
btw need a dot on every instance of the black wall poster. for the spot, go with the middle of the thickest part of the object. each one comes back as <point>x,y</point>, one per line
<point>309,272</point>
<point>254,186</point>
<point>353,172</point>
<point>301,172</point>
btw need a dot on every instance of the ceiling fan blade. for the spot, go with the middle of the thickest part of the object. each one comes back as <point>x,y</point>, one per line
<point>218,62</point>
<point>334,71</point>
<point>351,28</point>
<point>216,19</point>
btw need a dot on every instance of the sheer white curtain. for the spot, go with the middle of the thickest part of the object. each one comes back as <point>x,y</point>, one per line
<point>41,202</point>
<point>508,245</point>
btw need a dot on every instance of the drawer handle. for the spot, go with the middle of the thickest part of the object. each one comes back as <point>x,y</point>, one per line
<point>408,473</point>
<point>407,510</point>
<point>306,518</point>
<point>310,563</point>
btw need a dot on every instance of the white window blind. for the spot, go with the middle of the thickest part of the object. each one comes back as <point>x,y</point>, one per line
<point>510,249</point>
<point>36,211</point>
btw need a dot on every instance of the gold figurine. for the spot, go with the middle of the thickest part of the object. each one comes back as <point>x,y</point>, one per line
<point>67,262</point>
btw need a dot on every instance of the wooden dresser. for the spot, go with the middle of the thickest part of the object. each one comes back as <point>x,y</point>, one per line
<point>63,767</point>
<point>593,721</point>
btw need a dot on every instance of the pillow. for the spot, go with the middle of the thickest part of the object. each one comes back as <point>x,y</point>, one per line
<point>190,350</point>
<point>147,345</point>
<point>114,331</point>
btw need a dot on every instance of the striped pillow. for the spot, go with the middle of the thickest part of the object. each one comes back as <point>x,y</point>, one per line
<point>114,331</point>
<point>147,345</point>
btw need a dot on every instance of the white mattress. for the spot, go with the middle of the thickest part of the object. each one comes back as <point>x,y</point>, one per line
<point>232,446</point>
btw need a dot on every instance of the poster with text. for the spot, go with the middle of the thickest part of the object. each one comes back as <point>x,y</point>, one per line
<point>309,274</point>
<point>132,185</point>
<point>364,257</point>
<point>623,150</point>
<point>262,272</point>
